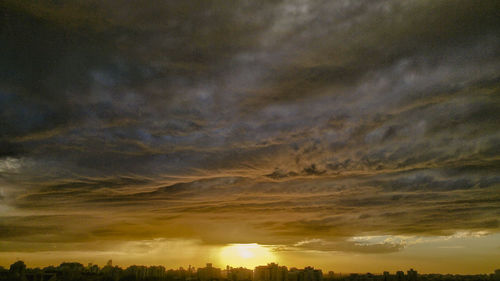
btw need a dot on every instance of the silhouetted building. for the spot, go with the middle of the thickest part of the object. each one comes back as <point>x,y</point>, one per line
<point>496,275</point>
<point>293,274</point>
<point>237,274</point>
<point>111,272</point>
<point>387,276</point>
<point>143,272</point>
<point>209,273</point>
<point>270,272</point>
<point>400,276</point>
<point>354,277</point>
<point>412,275</point>
<point>306,274</point>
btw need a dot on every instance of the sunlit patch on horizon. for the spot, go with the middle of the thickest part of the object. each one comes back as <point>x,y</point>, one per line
<point>406,240</point>
<point>246,255</point>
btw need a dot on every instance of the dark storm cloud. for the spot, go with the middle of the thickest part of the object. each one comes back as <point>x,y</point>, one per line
<point>285,121</point>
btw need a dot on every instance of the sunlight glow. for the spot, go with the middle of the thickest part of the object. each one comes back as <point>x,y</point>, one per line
<point>247,255</point>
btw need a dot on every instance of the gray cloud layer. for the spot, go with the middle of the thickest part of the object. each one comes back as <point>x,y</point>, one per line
<point>265,121</point>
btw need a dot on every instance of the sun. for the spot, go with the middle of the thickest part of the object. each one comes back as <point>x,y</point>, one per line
<point>246,255</point>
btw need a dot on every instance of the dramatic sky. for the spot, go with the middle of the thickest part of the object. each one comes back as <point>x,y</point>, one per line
<point>352,136</point>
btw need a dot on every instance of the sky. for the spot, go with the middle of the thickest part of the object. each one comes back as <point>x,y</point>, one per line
<point>352,136</point>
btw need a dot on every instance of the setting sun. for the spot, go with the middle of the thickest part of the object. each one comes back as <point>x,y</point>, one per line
<point>247,255</point>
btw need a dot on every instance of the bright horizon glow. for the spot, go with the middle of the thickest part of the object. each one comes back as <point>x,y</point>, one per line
<point>246,255</point>
<point>471,247</point>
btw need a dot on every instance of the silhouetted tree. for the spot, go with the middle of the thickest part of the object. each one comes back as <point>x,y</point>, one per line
<point>17,271</point>
<point>71,271</point>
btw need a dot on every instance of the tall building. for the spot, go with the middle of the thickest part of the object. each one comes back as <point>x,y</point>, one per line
<point>306,274</point>
<point>138,271</point>
<point>209,273</point>
<point>293,274</point>
<point>412,275</point>
<point>387,276</point>
<point>496,276</point>
<point>400,276</point>
<point>270,272</point>
<point>238,274</point>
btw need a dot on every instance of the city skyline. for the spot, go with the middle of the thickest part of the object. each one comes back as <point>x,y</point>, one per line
<point>225,269</point>
<point>344,134</point>
<point>71,271</point>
